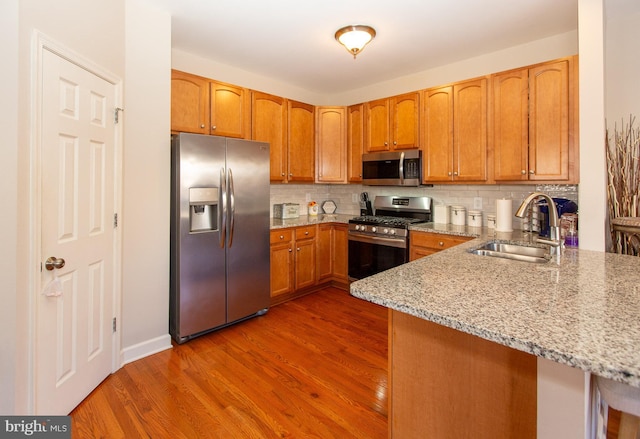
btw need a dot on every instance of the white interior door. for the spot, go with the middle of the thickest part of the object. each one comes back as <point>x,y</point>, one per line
<point>74,335</point>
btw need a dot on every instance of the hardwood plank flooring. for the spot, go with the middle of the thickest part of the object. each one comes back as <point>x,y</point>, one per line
<point>314,367</point>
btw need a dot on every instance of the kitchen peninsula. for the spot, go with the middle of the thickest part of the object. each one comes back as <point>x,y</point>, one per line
<point>481,315</point>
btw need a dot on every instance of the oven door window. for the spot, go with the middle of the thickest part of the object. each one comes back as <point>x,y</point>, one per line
<point>366,259</point>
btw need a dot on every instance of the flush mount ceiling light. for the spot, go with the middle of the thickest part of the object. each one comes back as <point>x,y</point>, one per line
<point>355,37</point>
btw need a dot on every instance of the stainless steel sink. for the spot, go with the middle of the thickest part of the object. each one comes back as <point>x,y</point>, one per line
<point>513,251</point>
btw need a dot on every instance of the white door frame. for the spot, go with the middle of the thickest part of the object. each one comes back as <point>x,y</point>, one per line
<point>40,43</point>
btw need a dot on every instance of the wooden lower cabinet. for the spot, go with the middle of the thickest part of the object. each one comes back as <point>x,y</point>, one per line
<point>332,253</point>
<point>306,258</point>
<point>424,244</point>
<point>447,384</point>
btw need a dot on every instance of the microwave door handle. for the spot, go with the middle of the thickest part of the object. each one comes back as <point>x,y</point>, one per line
<point>401,170</point>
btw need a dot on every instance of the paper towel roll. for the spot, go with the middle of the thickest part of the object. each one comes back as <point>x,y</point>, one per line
<point>504,214</point>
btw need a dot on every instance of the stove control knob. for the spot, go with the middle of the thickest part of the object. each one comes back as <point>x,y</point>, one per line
<point>374,229</point>
<point>385,231</point>
<point>357,226</point>
<point>392,232</point>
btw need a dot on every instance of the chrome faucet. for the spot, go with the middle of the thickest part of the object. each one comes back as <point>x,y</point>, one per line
<point>554,241</point>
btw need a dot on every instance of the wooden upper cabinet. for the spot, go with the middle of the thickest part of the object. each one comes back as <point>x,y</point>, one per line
<point>189,103</point>
<point>470,130</point>
<point>454,124</point>
<point>377,125</point>
<point>269,124</point>
<point>511,125</point>
<point>549,115</point>
<point>229,110</point>
<point>301,142</point>
<point>535,123</point>
<point>392,123</point>
<point>200,105</point>
<point>437,131</point>
<point>405,121</point>
<point>355,142</point>
<point>331,145</point>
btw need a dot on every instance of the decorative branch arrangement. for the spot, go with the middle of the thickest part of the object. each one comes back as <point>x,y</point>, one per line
<point>623,170</point>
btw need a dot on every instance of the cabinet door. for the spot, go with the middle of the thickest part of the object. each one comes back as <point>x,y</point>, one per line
<point>405,120</point>
<point>305,265</point>
<point>549,121</point>
<point>230,116</point>
<point>340,251</point>
<point>377,125</point>
<point>189,103</point>
<point>269,124</point>
<point>332,145</point>
<point>355,142</point>
<point>437,119</point>
<point>511,125</point>
<point>470,130</point>
<point>301,142</point>
<point>281,255</point>
<point>324,257</point>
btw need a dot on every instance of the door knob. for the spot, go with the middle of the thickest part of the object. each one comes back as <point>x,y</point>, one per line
<point>52,262</point>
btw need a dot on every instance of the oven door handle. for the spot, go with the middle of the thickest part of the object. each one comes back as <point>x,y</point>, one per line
<point>389,242</point>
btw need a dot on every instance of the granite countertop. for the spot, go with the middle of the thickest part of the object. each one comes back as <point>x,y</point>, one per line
<point>582,310</point>
<point>306,220</point>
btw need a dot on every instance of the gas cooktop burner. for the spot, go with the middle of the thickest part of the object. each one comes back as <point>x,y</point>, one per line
<point>393,221</point>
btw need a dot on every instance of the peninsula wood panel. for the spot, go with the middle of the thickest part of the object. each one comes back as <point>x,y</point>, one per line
<point>446,384</point>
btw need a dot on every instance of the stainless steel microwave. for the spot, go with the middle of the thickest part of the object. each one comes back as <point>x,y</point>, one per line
<point>397,168</point>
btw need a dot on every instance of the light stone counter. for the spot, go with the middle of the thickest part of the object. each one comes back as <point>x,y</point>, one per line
<point>582,311</point>
<point>306,220</point>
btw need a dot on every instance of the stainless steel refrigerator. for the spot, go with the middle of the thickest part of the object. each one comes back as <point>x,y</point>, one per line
<point>219,233</point>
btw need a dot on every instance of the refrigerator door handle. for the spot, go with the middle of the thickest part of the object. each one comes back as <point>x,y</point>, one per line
<point>223,211</point>
<point>232,208</point>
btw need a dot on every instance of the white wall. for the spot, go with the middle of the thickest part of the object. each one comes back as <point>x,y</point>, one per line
<point>537,51</point>
<point>147,119</point>
<point>8,195</point>
<point>96,30</point>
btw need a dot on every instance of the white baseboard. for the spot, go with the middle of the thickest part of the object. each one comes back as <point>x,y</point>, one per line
<point>144,349</point>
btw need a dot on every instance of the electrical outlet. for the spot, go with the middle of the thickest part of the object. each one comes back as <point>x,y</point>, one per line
<point>477,203</point>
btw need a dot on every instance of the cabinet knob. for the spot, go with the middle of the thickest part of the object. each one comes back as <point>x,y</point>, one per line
<point>395,143</point>
<point>298,249</point>
<point>202,126</point>
<point>441,243</point>
<point>449,173</point>
<point>290,250</point>
<point>306,233</point>
<point>281,236</point>
<point>386,143</point>
<point>213,127</point>
<point>455,174</point>
<point>283,174</point>
<point>531,171</point>
<point>523,172</point>
<point>290,174</point>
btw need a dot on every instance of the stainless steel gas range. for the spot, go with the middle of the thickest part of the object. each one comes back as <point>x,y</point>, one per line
<point>381,241</point>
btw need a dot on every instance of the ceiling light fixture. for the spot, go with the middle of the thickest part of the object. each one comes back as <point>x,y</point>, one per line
<point>355,37</point>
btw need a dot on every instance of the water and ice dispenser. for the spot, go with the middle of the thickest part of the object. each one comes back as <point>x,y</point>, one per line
<point>203,209</point>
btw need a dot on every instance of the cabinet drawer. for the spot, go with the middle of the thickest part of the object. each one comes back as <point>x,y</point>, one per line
<point>280,235</point>
<point>305,232</point>
<point>436,240</point>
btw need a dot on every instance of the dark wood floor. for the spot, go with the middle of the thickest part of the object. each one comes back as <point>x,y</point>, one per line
<point>314,367</point>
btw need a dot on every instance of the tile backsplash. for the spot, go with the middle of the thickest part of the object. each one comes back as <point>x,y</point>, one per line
<point>347,197</point>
